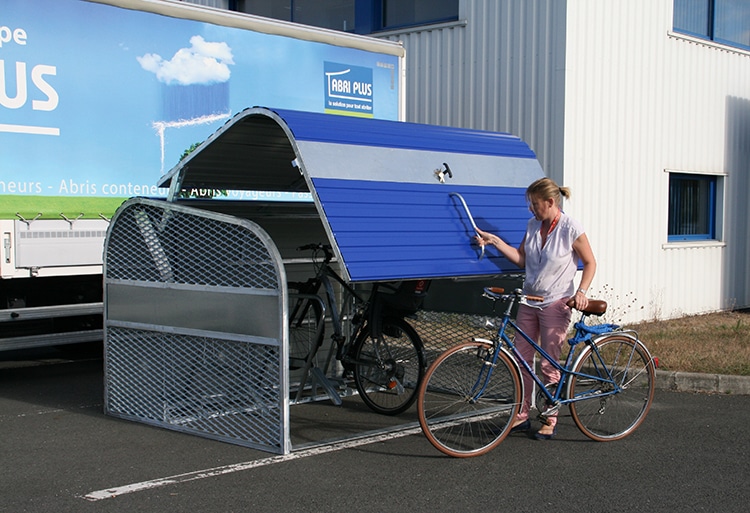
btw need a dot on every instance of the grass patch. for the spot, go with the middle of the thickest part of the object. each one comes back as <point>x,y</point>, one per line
<point>717,343</point>
<point>50,207</point>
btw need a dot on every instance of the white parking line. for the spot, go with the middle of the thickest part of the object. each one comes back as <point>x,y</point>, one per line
<point>4,417</point>
<point>111,493</point>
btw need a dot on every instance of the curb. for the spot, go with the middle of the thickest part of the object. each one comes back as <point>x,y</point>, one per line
<point>695,382</point>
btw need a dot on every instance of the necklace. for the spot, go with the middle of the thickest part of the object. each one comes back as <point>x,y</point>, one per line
<point>551,227</point>
<point>553,223</point>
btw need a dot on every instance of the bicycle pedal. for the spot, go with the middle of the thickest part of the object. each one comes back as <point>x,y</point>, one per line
<point>549,411</point>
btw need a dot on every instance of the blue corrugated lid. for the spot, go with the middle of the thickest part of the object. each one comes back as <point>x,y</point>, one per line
<point>376,188</point>
<point>311,126</point>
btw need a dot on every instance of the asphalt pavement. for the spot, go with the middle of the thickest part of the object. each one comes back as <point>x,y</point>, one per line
<point>60,453</point>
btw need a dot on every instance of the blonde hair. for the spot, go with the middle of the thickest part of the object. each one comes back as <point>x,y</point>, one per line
<point>546,188</point>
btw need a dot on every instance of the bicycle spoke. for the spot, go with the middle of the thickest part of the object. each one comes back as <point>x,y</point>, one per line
<point>463,415</point>
<point>388,370</point>
<point>605,410</point>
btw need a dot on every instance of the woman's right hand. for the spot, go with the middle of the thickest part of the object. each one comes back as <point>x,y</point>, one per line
<point>483,238</point>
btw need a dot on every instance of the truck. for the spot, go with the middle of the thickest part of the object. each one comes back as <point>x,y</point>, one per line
<point>99,98</point>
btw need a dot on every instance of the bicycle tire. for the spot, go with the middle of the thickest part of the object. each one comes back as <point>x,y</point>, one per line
<point>305,337</point>
<point>607,416</point>
<point>387,372</point>
<point>452,418</point>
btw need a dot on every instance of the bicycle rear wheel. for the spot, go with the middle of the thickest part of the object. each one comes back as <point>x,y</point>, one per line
<point>461,411</point>
<point>612,409</point>
<point>387,371</point>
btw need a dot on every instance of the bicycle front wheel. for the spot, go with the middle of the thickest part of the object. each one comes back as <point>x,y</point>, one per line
<point>388,370</point>
<point>464,411</point>
<point>613,388</point>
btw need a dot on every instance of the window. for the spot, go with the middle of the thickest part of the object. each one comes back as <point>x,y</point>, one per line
<point>268,8</point>
<point>732,22</point>
<point>405,13</point>
<point>723,21</point>
<point>361,16</point>
<point>692,207</point>
<point>691,17</point>
<point>332,14</point>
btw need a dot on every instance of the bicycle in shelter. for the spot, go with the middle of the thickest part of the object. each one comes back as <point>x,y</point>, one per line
<point>380,350</point>
<point>472,392</point>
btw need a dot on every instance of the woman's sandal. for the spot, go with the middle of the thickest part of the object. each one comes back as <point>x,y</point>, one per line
<point>523,426</point>
<point>543,436</point>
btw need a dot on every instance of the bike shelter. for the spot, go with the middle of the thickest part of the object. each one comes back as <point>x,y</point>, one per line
<point>196,298</point>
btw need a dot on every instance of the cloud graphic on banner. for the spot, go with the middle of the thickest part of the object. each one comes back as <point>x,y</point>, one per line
<point>203,63</point>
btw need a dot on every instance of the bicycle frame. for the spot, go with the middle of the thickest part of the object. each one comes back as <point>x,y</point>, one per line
<point>583,333</point>
<point>325,277</point>
<point>385,370</point>
<point>337,314</point>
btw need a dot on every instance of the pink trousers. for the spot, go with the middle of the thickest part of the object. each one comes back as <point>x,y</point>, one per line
<point>548,326</point>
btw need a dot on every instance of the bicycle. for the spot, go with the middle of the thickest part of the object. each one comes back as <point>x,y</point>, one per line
<point>472,392</point>
<point>383,354</point>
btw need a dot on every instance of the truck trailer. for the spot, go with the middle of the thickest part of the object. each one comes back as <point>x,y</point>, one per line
<point>99,98</point>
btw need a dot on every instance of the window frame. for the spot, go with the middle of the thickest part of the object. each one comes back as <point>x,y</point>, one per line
<point>713,209</point>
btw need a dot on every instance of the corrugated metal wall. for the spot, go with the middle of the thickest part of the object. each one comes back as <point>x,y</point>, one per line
<point>640,101</point>
<point>609,100</point>
<point>500,68</point>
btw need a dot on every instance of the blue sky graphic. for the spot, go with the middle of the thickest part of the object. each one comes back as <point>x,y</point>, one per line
<point>120,73</point>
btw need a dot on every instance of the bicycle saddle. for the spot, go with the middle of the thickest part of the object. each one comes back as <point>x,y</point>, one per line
<point>595,306</point>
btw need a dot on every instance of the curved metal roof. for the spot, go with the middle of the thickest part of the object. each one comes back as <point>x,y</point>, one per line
<point>375,186</point>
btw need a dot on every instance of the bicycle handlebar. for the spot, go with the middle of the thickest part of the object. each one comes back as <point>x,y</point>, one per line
<point>318,246</point>
<point>594,307</point>
<point>499,293</point>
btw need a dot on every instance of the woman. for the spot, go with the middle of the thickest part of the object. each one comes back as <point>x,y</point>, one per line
<point>549,252</point>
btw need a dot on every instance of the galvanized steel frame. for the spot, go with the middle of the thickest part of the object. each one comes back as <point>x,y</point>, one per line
<point>195,335</point>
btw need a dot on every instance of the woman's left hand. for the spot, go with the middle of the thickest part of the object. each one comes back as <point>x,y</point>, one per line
<point>581,301</point>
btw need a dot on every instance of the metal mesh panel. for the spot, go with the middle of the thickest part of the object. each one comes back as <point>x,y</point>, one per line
<point>442,330</point>
<point>160,244</point>
<point>204,386</point>
<point>222,385</point>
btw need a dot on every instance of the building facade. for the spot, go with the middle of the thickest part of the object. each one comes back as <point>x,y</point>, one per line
<point>642,108</point>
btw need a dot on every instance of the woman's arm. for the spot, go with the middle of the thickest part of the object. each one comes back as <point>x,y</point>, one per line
<point>582,247</point>
<point>514,255</point>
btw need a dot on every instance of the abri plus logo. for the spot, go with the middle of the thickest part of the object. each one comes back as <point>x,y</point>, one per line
<point>348,90</point>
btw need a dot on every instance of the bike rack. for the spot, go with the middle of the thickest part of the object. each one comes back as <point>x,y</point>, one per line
<point>310,370</point>
<point>196,298</point>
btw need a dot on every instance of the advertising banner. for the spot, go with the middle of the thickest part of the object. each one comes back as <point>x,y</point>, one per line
<point>97,102</point>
